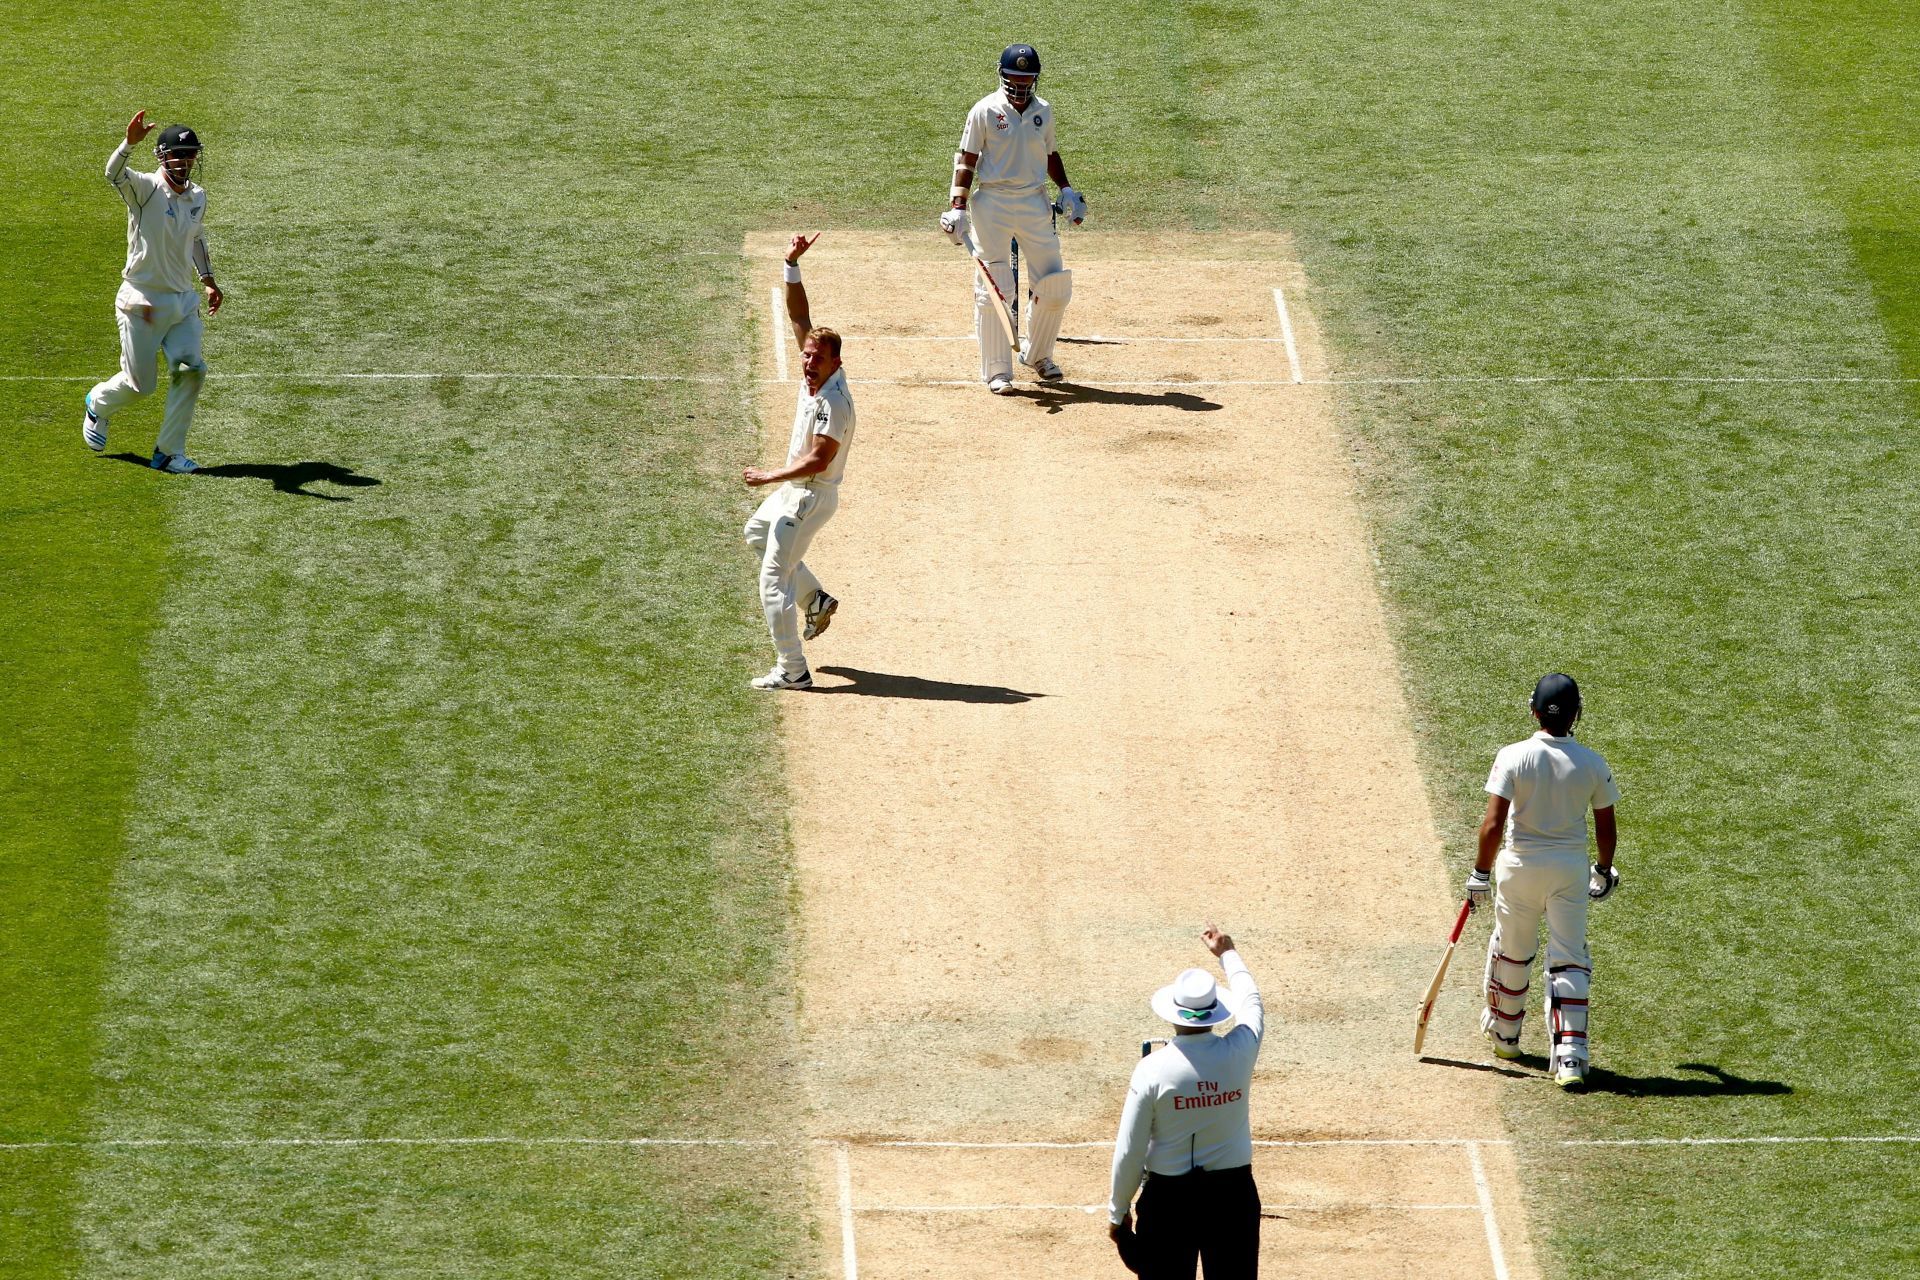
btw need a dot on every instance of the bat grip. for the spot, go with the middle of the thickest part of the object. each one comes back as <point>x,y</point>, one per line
<point>1460,924</point>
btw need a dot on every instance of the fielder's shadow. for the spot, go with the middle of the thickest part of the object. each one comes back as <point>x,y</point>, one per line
<point>286,477</point>
<point>875,684</point>
<point>1054,397</point>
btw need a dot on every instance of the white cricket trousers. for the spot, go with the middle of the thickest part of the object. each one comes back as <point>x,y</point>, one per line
<point>175,329</point>
<point>781,531</point>
<point>997,222</point>
<point>1552,887</point>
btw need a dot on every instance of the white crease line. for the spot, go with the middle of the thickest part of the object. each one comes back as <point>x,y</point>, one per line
<point>779,339</point>
<point>1486,1211</point>
<point>1286,333</point>
<point>849,1257</point>
<point>1336,1207</point>
<point>930,1144</point>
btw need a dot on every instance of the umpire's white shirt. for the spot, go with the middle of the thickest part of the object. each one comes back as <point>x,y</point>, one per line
<point>826,412</point>
<point>1552,782</point>
<point>1187,1105</point>
<point>162,226</point>
<point>1013,148</point>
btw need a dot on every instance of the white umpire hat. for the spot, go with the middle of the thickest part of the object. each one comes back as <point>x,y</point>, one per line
<point>1194,999</point>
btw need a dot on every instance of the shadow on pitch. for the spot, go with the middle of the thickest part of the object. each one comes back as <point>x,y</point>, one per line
<point>1054,397</point>
<point>1488,1067</point>
<point>875,684</point>
<point>1711,1082</point>
<point>286,477</point>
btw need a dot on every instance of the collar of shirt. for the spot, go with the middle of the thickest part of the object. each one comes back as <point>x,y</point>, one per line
<point>1552,737</point>
<point>838,375</point>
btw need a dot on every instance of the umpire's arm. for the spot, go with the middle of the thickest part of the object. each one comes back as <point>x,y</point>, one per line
<point>1130,1151</point>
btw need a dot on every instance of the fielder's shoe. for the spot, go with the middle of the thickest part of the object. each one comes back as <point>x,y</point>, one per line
<point>1000,384</point>
<point>1571,1074</point>
<point>820,616</point>
<point>778,679</point>
<point>93,428</point>
<point>176,463</point>
<point>1048,370</point>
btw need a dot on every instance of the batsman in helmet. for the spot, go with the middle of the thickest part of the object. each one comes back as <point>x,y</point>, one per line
<point>158,306</point>
<point>1008,146</point>
<point>1532,861</point>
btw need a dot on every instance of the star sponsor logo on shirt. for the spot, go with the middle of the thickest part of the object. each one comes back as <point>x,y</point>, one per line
<point>1000,121</point>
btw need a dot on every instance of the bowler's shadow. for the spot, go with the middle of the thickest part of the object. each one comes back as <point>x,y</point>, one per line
<point>286,477</point>
<point>875,684</point>
<point>1054,397</point>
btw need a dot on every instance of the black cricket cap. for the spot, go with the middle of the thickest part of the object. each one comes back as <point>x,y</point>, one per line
<point>1556,697</point>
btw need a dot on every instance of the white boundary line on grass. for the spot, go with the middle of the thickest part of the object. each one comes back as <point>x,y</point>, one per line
<point>1286,333</point>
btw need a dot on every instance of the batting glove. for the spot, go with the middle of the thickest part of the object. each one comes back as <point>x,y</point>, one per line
<point>1602,881</point>
<point>1479,889</point>
<point>1074,205</point>
<point>953,222</point>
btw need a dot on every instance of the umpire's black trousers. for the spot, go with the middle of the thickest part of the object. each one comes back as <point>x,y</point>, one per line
<point>1209,1217</point>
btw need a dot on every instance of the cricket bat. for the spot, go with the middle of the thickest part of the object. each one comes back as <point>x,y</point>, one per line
<point>1006,311</point>
<point>1439,976</point>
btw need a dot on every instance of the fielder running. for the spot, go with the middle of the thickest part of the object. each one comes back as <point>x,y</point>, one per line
<point>1536,826</point>
<point>1186,1127</point>
<point>1008,143</point>
<point>158,306</point>
<point>781,530</point>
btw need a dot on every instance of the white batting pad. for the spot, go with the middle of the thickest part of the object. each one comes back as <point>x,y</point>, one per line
<point>1567,987</point>
<point>1051,293</point>
<point>1507,983</point>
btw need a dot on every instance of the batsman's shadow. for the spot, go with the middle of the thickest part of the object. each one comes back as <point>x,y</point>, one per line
<point>1054,397</point>
<point>876,684</point>
<point>286,477</point>
<point>1711,1082</point>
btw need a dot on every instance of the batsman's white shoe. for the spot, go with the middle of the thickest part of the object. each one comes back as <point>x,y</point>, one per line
<point>93,428</point>
<point>1505,1050</point>
<point>178,464</point>
<point>1048,370</point>
<point>820,615</point>
<point>778,679</point>
<point>1000,384</point>
<point>1570,1074</point>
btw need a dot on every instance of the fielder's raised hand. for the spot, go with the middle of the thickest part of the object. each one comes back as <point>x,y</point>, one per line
<point>1217,942</point>
<point>138,128</point>
<point>799,245</point>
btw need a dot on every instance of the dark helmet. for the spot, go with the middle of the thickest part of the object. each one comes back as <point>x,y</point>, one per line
<point>177,140</point>
<point>1019,73</point>
<point>1556,700</point>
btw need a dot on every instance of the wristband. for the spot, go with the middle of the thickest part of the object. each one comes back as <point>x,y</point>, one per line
<point>792,273</point>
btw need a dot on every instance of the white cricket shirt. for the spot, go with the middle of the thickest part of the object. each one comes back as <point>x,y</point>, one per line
<point>162,226</point>
<point>1552,783</point>
<point>1187,1103</point>
<point>828,413</point>
<point>1013,148</point>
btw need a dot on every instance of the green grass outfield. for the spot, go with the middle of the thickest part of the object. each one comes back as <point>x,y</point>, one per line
<point>442,810</point>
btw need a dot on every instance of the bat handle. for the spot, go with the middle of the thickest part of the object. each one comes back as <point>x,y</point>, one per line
<point>1460,923</point>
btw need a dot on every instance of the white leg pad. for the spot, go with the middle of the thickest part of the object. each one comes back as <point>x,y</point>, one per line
<point>1051,293</point>
<point>1507,981</point>
<point>1567,987</point>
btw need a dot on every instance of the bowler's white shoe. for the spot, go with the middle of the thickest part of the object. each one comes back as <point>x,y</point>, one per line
<point>1570,1074</point>
<point>1045,367</point>
<point>178,464</point>
<point>819,614</point>
<point>93,428</point>
<point>1000,384</point>
<point>778,679</point>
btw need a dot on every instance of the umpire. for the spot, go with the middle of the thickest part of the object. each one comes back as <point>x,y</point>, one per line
<point>1185,1126</point>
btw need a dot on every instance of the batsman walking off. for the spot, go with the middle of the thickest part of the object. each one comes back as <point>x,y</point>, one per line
<point>158,306</point>
<point>785,525</point>
<point>1533,840</point>
<point>1187,1128</point>
<point>1008,143</point>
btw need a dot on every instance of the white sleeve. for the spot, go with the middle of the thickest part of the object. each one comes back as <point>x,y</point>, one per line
<point>973,134</point>
<point>832,419</point>
<point>1047,134</point>
<point>1249,1012</point>
<point>1130,1146</point>
<point>1500,778</point>
<point>1607,794</point>
<point>202,264</point>
<point>126,181</point>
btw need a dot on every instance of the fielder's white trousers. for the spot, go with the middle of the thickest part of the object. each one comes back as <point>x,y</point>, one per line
<point>175,329</point>
<point>998,221</point>
<point>1536,887</point>
<point>781,530</point>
